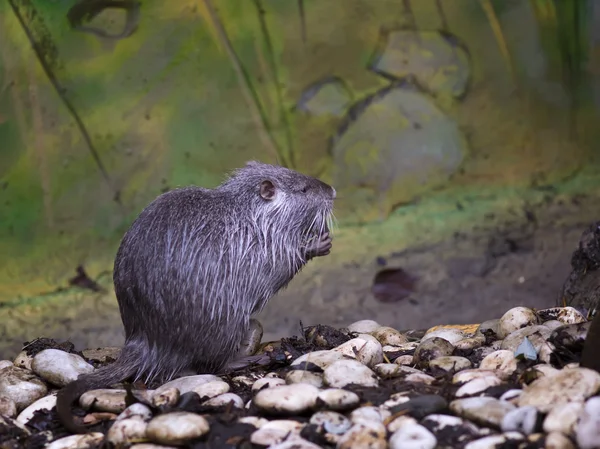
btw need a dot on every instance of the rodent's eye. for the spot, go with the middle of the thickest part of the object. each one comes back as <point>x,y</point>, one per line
<point>304,189</point>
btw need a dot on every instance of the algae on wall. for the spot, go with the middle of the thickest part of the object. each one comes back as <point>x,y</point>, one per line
<point>92,127</point>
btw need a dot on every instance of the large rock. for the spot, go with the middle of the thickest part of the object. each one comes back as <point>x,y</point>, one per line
<point>393,146</point>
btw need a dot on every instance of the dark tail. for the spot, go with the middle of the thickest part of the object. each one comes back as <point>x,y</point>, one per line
<point>103,377</point>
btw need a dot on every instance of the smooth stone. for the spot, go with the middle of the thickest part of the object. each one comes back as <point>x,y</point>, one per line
<point>254,421</point>
<point>412,436</point>
<point>47,402</point>
<point>440,422</point>
<point>59,367</point>
<point>331,422</point>
<point>176,427</point>
<point>400,422</point>
<point>451,335</point>
<point>545,370</point>
<point>450,363</point>
<point>495,441</point>
<point>563,418</point>
<point>389,336</point>
<point>387,370</point>
<point>224,400</point>
<point>365,348</point>
<point>404,360</point>
<point>101,354</point>
<point>470,374</point>
<point>267,382</point>
<point>364,326</point>
<point>537,335</point>
<point>370,435</point>
<point>8,407</point>
<point>151,446</point>
<point>187,383</point>
<point>420,377</point>
<point>502,361</point>
<point>567,385</point>
<point>21,386</point>
<point>5,364</point>
<point>89,440</point>
<point>345,372</point>
<point>137,409</point>
<point>522,419</point>
<point>320,358</point>
<point>556,440</point>
<point>304,377</point>
<point>511,396</point>
<point>395,400</point>
<point>244,380</point>
<point>486,411</point>
<point>489,325</point>
<point>566,315</point>
<point>23,360</point>
<point>588,427</point>
<point>368,414</point>
<point>295,443</point>
<point>296,398</point>
<point>553,324</point>
<point>269,436</point>
<point>287,425</point>
<point>470,342</point>
<point>327,96</point>
<point>515,319</point>
<point>432,349</point>
<point>478,385</point>
<point>166,398</point>
<point>338,399</point>
<point>127,431</point>
<point>104,400</point>
<point>212,389</point>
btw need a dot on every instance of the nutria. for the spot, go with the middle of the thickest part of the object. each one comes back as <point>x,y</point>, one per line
<point>197,263</point>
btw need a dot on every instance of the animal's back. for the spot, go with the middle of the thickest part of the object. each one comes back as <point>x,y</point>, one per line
<point>173,283</point>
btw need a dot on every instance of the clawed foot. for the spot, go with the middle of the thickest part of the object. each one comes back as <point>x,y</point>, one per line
<point>320,247</point>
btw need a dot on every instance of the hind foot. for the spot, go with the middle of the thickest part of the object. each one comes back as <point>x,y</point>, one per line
<point>319,248</point>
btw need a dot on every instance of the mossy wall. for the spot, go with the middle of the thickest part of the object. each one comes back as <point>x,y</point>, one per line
<point>92,128</point>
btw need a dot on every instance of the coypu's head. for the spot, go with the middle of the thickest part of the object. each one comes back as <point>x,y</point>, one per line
<point>285,202</point>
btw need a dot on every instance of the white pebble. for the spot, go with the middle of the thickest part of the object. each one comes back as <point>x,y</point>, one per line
<point>563,417</point>
<point>493,441</point>
<point>5,364</point>
<point>345,372</point>
<point>127,431</point>
<point>320,358</point>
<point>166,398</point>
<point>368,435</point>
<point>516,318</point>
<point>502,361</point>
<point>571,385</point>
<point>295,443</point>
<point>486,411</point>
<point>450,334</point>
<point>187,383</point>
<point>400,422</point>
<point>295,398</point>
<point>268,437</point>
<point>511,396</point>
<point>389,336</point>
<point>59,367</point>
<point>176,428</point>
<point>412,436</point>
<point>478,385</point>
<point>536,335</point>
<point>556,440</point>
<point>137,409</point>
<point>211,389</point>
<point>474,342</point>
<point>369,414</point>
<point>304,377</point>
<point>522,419</point>
<point>267,382</point>
<point>420,377</point>
<point>104,400</point>
<point>365,348</point>
<point>89,440</point>
<point>225,399</point>
<point>8,407</point>
<point>364,326</point>
<point>470,374</point>
<point>404,360</point>
<point>331,422</point>
<point>21,386</point>
<point>387,370</point>
<point>450,363</point>
<point>338,399</point>
<point>46,402</point>
<point>588,428</point>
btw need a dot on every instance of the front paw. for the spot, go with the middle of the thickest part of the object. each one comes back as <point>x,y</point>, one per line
<point>320,247</point>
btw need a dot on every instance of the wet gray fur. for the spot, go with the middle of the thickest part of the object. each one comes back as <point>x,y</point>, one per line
<point>197,263</point>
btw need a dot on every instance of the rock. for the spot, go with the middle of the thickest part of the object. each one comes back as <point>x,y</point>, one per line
<point>451,335</point>
<point>136,409</point>
<point>432,349</point>
<point>47,402</point>
<point>211,389</point>
<point>176,427</point>
<point>274,432</point>
<point>515,319</point>
<point>87,441</point>
<point>127,431</point>
<point>295,443</point>
<point>59,367</point>
<point>450,363</point>
<point>511,396</point>
<point>369,414</point>
<point>389,336</point>
<point>537,335</point>
<point>420,377</point>
<point>166,398</point>
<point>563,418</point>
<point>21,386</point>
<point>522,419</point>
<point>345,372</point>
<point>8,407</point>
<point>329,96</point>
<point>225,399</point>
<point>370,435</point>
<point>421,406</point>
<point>478,385</point>
<point>188,383</point>
<point>365,348</point>
<point>588,428</point>
<point>470,374</point>
<point>102,355</point>
<point>287,399</point>
<point>567,385</point>
<point>489,325</point>
<point>331,422</point>
<point>394,145</point>
<point>437,61</point>
<point>566,315</point>
<point>556,440</point>
<point>337,399</point>
<point>506,440</point>
<point>486,411</point>
<point>387,370</point>
<point>267,382</point>
<point>412,436</point>
<point>5,364</point>
<point>104,400</point>
<point>399,422</point>
<point>502,361</point>
<point>320,358</point>
<point>470,342</point>
<point>304,377</point>
<point>364,326</point>
<point>444,424</point>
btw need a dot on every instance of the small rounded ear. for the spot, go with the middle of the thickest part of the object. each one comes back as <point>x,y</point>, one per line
<point>267,190</point>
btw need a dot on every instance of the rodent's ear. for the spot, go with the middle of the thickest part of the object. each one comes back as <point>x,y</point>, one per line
<point>267,190</point>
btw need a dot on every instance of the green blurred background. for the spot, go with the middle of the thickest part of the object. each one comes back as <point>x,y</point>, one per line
<point>427,116</point>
